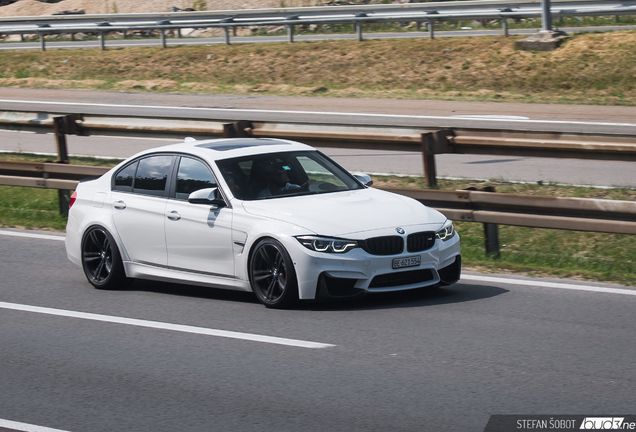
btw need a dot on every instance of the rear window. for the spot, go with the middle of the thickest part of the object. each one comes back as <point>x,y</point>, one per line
<point>146,176</point>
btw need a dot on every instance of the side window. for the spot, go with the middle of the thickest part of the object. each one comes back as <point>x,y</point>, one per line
<point>152,175</point>
<point>124,178</point>
<point>192,176</point>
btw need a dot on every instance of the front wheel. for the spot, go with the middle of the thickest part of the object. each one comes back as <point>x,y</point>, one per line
<point>272,275</point>
<point>101,260</point>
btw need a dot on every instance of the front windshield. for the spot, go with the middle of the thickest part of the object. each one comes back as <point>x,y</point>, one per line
<point>276,175</point>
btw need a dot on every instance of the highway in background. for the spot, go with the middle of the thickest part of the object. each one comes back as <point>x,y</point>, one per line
<point>127,43</point>
<point>414,113</point>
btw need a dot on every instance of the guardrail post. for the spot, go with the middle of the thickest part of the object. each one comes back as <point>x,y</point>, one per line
<point>62,126</point>
<point>431,30</point>
<point>491,239</point>
<point>504,26</point>
<point>434,143</point>
<point>102,43</point>
<point>162,32</point>
<point>42,43</point>
<point>64,196</point>
<point>241,129</point>
<point>227,35</point>
<point>359,31</point>
<point>428,156</point>
<point>290,33</point>
<point>491,230</point>
<point>60,139</point>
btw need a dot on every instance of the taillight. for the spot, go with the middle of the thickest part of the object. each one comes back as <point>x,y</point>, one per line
<point>72,200</point>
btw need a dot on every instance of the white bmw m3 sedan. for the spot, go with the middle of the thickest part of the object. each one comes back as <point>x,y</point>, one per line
<point>271,216</point>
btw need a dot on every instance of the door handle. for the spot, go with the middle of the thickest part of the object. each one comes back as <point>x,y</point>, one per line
<point>173,215</point>
<point>119,205</point>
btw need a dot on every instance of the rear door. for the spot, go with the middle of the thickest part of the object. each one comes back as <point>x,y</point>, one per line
<point>139,200</point>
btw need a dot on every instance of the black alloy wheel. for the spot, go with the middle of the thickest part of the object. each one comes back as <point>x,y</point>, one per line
<point>272,275</point>
<point>101,260</point>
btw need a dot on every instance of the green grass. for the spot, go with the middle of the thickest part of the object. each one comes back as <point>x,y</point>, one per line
<point>533,251</point>
<point>33,208</point>
<point>30,208</point>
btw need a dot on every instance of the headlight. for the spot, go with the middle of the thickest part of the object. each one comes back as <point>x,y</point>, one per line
<point>326,244</point>
<point>447,232</point>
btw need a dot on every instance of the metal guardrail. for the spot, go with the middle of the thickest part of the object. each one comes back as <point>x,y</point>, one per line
<point>290,17</point>
<point>490,209</point>
<point>46,175</point>
<point>578,214</point>
<point>429,142</point>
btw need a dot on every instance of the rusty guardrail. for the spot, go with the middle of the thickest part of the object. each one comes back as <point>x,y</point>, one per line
<point>427,141</point>
<point>577,214</point>
<point>487,208</point>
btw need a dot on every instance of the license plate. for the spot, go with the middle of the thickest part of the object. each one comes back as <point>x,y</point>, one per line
<point>407,262</point>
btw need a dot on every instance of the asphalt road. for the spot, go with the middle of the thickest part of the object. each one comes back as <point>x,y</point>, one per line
<point>441,360</point>
<point>580,118</point>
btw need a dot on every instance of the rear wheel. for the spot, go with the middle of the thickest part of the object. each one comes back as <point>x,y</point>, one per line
<point>272,275</point>
<point>101,260</point>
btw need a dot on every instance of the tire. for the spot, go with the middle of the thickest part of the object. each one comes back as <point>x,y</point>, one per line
<point>101,260</point>
<point>272,275</point>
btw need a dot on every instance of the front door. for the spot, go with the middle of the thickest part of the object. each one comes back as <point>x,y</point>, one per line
<point>198,237</point>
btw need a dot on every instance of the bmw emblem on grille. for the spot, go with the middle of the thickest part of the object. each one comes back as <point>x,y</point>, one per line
<point>400,230</point>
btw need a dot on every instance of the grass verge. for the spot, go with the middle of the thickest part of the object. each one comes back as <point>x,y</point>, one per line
<point>590,256</point>
<point>590,68</point>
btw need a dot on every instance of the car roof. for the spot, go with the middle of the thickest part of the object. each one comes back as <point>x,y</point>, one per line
<point>225,148</point>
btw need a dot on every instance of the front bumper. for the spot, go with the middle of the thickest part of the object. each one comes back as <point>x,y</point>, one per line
<point>355,273</point>
<point>340,288</point>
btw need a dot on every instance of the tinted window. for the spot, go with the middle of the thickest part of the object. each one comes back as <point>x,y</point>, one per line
<point>124,178</point>
<point>192,176</point>
<point>152,175</point>
<point>274,175</point>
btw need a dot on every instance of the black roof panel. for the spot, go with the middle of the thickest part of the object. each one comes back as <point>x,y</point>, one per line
<point>237,143</point>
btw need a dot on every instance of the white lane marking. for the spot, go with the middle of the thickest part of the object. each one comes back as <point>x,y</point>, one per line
<point>331,113</point>
<point>491,116</point>
<point>543,284</point>
<point>33,235</point>
<point>26,427</point>
<point>167,326</point>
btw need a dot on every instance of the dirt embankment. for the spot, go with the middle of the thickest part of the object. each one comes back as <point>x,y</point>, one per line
<point>598,68</point>
<point>35,7</point>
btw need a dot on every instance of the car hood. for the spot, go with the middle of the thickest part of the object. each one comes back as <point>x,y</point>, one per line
<point>346,213</point>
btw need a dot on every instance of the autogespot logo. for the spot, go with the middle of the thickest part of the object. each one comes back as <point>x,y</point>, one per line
<point>605,423</point>
<point>561,423</point>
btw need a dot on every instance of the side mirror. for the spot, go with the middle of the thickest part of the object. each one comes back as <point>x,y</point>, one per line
<point>208,196</point>
<point>365,179</point>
